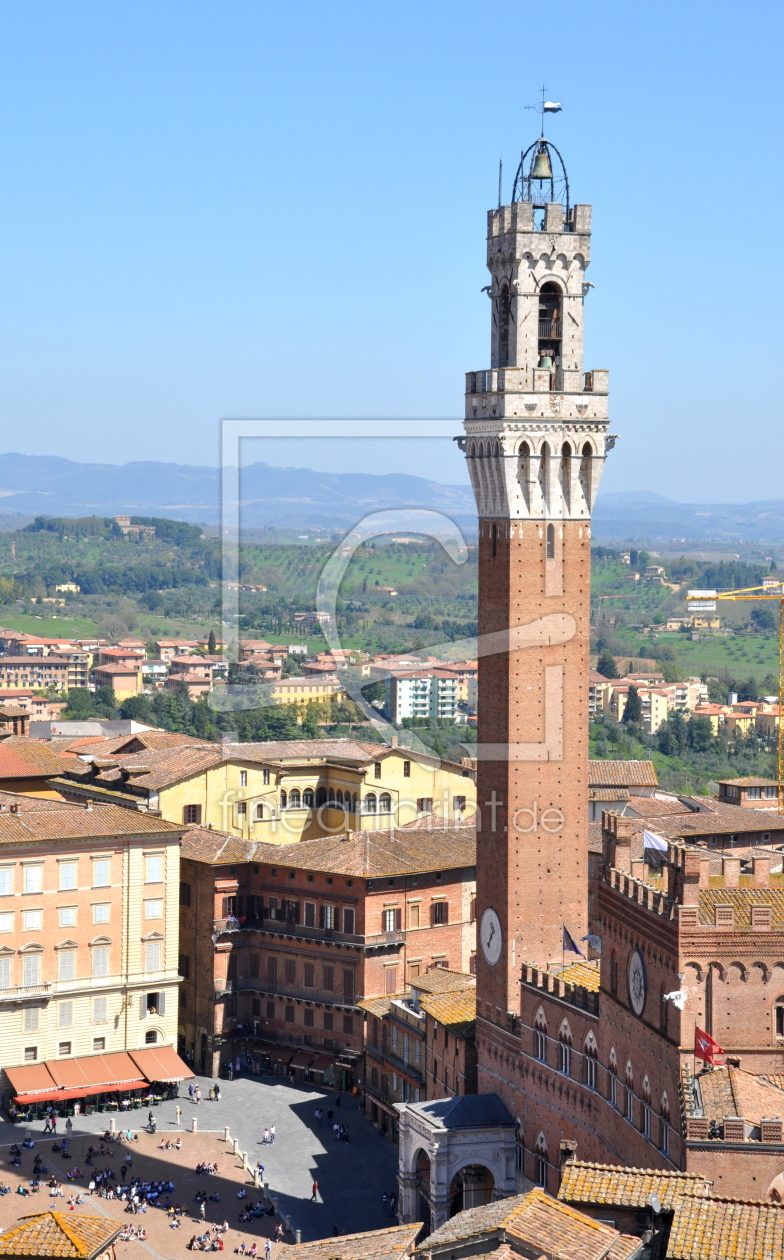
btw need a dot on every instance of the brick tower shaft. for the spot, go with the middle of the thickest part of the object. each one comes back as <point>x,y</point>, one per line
<point>535,441</point>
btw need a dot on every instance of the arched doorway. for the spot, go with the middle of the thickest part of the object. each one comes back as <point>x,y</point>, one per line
<point>422,1175</point>
<point>471,1187</point>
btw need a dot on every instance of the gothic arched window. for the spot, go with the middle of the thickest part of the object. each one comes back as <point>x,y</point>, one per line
<point>504,317</point>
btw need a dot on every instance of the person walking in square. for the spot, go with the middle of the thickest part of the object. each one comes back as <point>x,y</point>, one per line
<point>314,1195</point>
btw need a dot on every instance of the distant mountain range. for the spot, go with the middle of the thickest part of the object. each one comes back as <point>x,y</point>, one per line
<point>36,485</point>
<point>32,485</point>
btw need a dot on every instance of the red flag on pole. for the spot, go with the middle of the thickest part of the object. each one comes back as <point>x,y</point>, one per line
<point>705,1047</point>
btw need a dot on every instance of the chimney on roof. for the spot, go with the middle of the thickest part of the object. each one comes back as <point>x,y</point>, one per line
<point>88,805</point>
<point>394,741</point>
<point>15,807</point>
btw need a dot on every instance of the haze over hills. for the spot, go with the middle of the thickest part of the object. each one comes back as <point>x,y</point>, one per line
<point>33,485</point>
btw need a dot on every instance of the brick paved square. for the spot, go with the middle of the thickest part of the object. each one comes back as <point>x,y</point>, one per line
<point>352,1175</point>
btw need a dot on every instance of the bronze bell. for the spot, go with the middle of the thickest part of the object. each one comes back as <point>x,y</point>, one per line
<point>542,168</point>
<point>546,361</point>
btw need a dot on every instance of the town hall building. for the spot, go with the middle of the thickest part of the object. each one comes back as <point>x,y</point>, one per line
<point>593,1055</point>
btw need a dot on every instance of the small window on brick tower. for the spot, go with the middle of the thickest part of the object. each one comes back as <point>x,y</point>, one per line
<point>550,542</point>
<point>494,538</point>
<point>779,1013</point>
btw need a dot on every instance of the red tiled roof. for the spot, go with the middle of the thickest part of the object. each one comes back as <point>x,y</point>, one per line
<point>22,758</point>
<point>622,774</point>
<point>59,1234</point>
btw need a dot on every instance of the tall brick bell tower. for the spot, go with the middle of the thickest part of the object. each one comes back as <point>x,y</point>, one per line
<point>535,444</point>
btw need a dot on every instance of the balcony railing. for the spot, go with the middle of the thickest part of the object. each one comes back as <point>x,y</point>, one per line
<point>279,989</point>
<point>287,927</point>
<point>550,328</point>
<point>25,991</point>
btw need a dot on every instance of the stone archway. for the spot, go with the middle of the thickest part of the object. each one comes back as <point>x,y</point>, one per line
<point>422,1182</point>
<point>471,1187</point>
<point>468,1147</point>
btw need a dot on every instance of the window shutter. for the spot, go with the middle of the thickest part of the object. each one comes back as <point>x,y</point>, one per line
<point>143,1006</point>
<point>161,1003</point>
<point>398,919</point>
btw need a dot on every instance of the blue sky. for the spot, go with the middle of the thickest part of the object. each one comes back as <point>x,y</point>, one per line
<point>254,209</point>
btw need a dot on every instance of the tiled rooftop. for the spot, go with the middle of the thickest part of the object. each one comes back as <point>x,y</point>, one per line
<point>456,1011</point>
<point>368,854</point>
<point>622,774</point>
<point>535,1224</point>
<point>724,1229</point>
<point>742,899</point>
<point>24,758</point>
<point>729,1091</point>
<point>585,974</point>
<point>627,1187</point>
<point>59,1234</point>
<point>381,1244</point>
<point>59,820</point>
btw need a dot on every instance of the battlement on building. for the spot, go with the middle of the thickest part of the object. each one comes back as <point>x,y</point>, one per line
<point>519,217</point>
<point>710,889</point>
<point>577,995</point>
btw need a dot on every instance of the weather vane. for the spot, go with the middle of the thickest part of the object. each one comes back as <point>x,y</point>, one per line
<point>545,107</point>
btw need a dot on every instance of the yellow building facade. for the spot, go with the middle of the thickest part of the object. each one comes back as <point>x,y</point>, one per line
<point>89,932</point>
<point>282,793</point>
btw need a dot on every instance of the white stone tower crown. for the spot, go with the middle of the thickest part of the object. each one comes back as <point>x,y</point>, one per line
<point>536,422</point>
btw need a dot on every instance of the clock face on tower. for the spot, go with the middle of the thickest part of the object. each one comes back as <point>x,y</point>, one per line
<point>491,936</point>
<point>638,982</point>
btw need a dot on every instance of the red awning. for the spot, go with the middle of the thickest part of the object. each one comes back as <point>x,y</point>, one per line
<point>34,1079</point>
<point>161,1064</point>
<point>323,1063</point>
<point>63,1079</point>
<point>301,1059</point>
<point>65,1095</point>
<point>95,1072</point>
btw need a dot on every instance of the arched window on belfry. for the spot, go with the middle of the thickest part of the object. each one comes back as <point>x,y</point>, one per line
<point>504,320</point>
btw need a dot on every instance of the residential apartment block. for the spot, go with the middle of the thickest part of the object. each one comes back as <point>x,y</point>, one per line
<point>431,694</point>
<point>281,791</point>
<point>280,946</point>
<point>89,928</point>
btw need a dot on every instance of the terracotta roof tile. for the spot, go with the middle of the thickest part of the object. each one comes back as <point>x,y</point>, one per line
<point>30,758</point>
<point>365,854</point>
<point>60,820</point>
<point>615,1186</point>
<point>380,1006</point>
<point>584,974</point>
<point>609,794</point>
<point>652,807</point>
<point>729,1091</point>
<point>443,980</point>
<point>59,1234</point>
<point>537,1223</point>
<point>742,899</point>
<point>725,1229</point>
<point>456,1011</point>
<point>381,1244</point>
<point>622,774</point>
<point>749,782</point>
<point>432,822</point>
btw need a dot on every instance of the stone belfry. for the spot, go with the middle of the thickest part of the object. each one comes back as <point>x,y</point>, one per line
<point>535,441</point>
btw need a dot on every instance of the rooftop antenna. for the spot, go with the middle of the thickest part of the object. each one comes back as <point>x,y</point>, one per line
<point>500,178</point>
